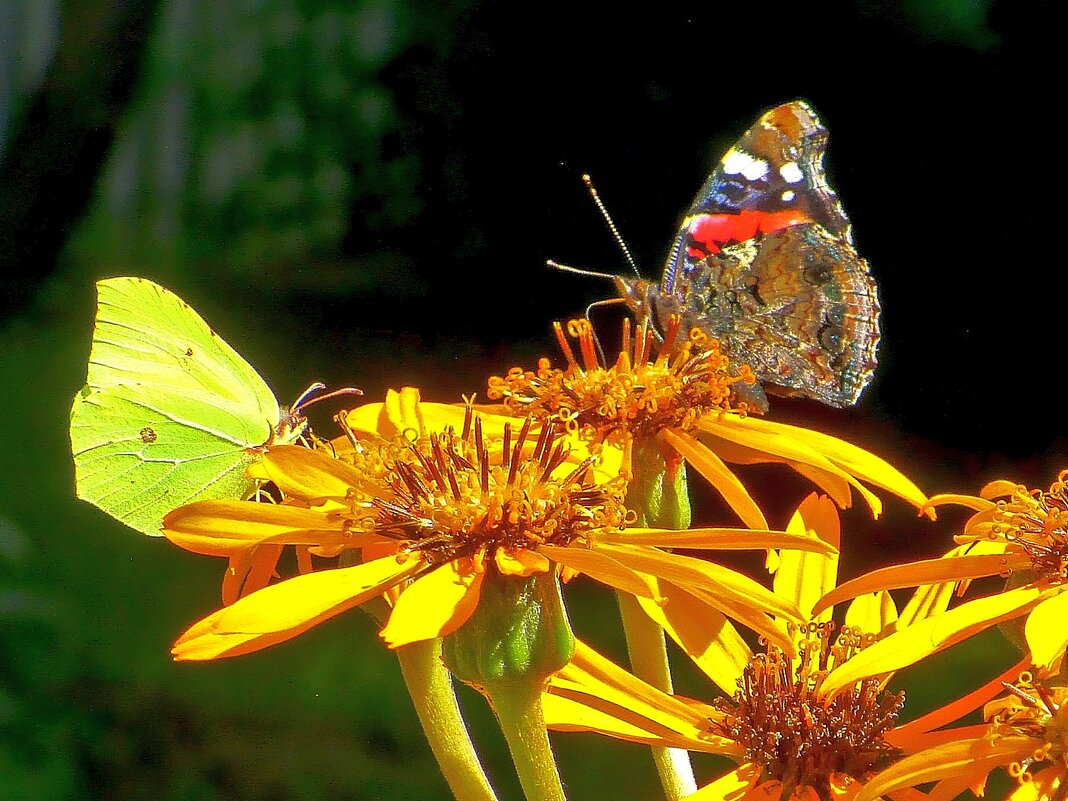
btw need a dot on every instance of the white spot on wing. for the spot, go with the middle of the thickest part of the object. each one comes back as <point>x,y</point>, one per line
<point>738,161</point>
<point>788,195</point>
<point>791,173</point>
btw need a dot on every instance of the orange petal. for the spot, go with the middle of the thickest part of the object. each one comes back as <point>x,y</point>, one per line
<point>284,610</point>
<point>963,759</point>
<point>521,562</point>
<point>716,473</point>
<point>222,528</point>
<point>435,604</point>
<point>969,501</point>
<point>250,571</point>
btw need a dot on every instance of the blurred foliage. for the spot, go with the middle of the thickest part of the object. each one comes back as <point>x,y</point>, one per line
<point>258,128</point>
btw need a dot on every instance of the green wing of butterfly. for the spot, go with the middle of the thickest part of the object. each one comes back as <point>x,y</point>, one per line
<point>170,413</point>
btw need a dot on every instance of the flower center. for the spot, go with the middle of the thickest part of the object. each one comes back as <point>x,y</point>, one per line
<point>1033,710</point>
<point>799,738</point>
<point>639,394</point>
<point>451,498</point>
<point>1038,523</point>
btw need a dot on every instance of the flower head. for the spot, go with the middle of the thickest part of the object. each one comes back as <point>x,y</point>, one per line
<point>1016,533</point>
<point>681,396</point>
<point>425,518</point>
<point>1026,735</point>
<point>793,738</point>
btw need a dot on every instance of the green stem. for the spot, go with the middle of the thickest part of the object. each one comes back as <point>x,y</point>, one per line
<point>519,713</point>
<point>649,661</point>
<point>660,498</point>
<point>434,697</point>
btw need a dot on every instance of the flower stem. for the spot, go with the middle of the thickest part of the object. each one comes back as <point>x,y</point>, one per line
<point>434,698</point>
<point>659,496</point>
<point>519,713</point>
<point>649,661</point>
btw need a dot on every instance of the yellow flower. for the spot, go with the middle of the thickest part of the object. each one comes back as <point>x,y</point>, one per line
<point>1017,533</point>
<point>792,738</point>
<point>680,399</point>
<point>1027,735</point>
<point>425,518</point>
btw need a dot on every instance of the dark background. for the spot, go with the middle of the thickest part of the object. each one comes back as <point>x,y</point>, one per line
<point>366,193</point>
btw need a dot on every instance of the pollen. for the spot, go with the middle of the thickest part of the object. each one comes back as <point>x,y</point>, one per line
<point>649,387</point>
<point>798,738</point>
<point>1037,522</point>
<point>449,497</point>
<point>1036,710</point>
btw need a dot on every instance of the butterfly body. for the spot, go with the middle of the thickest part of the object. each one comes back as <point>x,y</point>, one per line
<point>764,262</point>
<point>169,413</point>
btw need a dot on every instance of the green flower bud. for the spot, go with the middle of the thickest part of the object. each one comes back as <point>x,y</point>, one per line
<point>519,633</point>
<point>658,493</point>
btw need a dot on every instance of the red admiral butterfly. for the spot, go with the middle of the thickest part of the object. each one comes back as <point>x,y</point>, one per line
<point>764,262</point>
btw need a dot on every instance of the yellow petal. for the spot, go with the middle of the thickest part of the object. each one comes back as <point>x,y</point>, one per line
<point>284,610</point>
<point>969,501</point>
<point>872,612</point>
<point>909,645</point>
<point>731,786</point>
<point>733,589</point>
<point>521,562</point>
<point>966,759</point>
<point>833,485</point>
<point>625,706</point>
<point>804,577</point>
<point>435,604</point>
<point>716,473</point>
<point>927,601</point>
<point>601,567</point>
<point>998,489</point>
<point>705,634</point>
<point>927,571</point>
<point>223,528</point>
<point>720,539</point>
<point>816,449</point>
<point>1046,632</point>
<point>308,474</point>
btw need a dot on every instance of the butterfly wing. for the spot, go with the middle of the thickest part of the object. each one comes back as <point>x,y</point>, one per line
<point>805,320</point>
<point>170,413</point>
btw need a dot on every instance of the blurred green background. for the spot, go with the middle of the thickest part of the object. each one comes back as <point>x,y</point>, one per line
<point>365,193</point>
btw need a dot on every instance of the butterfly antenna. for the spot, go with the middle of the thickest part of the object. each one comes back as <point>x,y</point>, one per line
<point>305,400</point>
<point>586,179</point>
<point>569,269</point>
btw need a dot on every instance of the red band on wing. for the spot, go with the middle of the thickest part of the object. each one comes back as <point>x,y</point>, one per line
<point>709,231</point>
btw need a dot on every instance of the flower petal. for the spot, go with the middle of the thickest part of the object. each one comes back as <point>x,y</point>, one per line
<point>720,539</point>
<point>969,501</point>
<point>927,571</point>
<point>284,610</point>
<point>804,577</point>
<point>966,759</point>
<point>904,735</point>
<point>601,567</point>
<point>800,444</point>
<point>734,594</point>
<point>309,474</point>
<point>732,786</point>
<point>609,699</point>
<point>716,473</point>
<point>223,528</point>
<point>1045,630</point>
<point>909,645</point>
<point>435,604</point>
<point>705,634</point>
<point>872,612</point>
